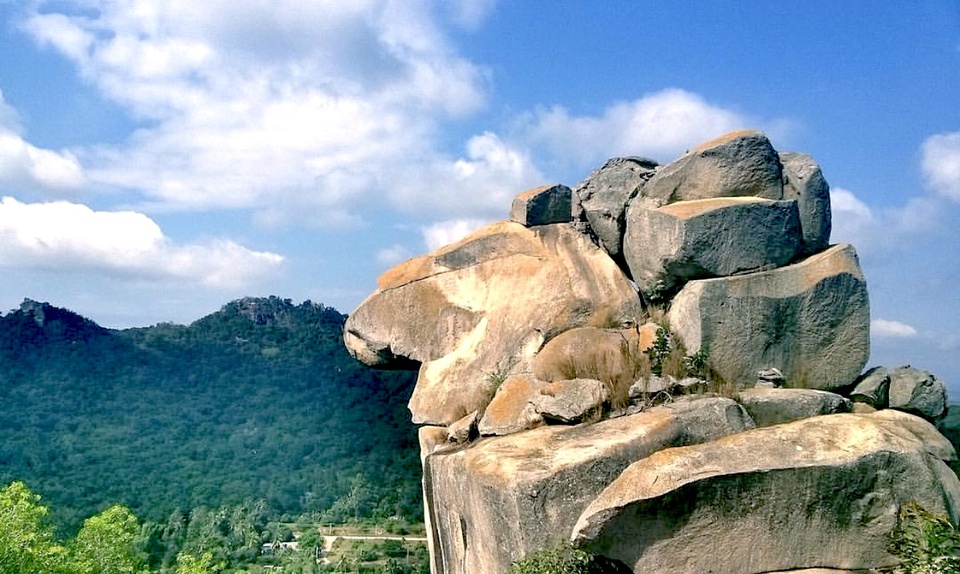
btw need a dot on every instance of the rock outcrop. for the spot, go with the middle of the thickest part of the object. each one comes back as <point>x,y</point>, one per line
<point>506,497</point>
<point>483,307</point>
<point>758,501</point>
<point>659,366</point>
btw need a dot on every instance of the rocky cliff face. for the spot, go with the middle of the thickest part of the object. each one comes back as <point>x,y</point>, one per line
<point>659,365</point>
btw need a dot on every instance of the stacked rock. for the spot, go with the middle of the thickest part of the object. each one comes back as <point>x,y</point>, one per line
<point>545,426</point>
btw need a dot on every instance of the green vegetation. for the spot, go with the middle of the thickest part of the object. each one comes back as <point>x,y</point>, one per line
<point>228,540</point>
<point>926,543</point>
<point>564,559</point>
<point>105,543</point>
<point>256,410</point>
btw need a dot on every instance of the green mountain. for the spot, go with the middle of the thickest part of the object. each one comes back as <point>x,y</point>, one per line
<point>257,402</point>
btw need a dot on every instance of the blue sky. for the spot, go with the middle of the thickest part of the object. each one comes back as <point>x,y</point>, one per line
<point>161,157</point>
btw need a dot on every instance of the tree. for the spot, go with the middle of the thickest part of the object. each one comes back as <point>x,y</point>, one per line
<point>27,543</point>
<point>191,564</point>
<point>106,543</point>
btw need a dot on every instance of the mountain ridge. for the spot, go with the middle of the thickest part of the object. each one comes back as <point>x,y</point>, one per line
<point>258,400</point>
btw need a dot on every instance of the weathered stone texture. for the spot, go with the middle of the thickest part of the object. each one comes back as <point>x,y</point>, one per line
<point>542,206</point>
<point>758,501</point>
<point>918,392</point>
<point>810,320</point>
<point>772,406</point>
<point>603,197</point>
<point>668,246</point>
<point>505,497</point>
<point>736,164</point>
<point>484,306</point>
<point>803,181</point>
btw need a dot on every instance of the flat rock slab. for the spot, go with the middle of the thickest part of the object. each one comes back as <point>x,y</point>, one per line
<point>670,245</point>
<point>772,406</point>
<point>758,501</point>
<point>476,310</point>
<point>503,498</point>
<point>810,320</point>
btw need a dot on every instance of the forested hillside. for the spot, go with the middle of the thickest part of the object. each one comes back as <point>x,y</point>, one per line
<point>257,402</point>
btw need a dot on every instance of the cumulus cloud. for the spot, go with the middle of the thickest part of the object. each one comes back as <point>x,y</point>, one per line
<point>886,328</point>
<point>25,166</point>
<point>443,233</point>
<point>480,184</point>
<point>941,164</point>
<point>853,220</point>
<point>253,104</point>
<point>662,125</point>
<point>59,235</point>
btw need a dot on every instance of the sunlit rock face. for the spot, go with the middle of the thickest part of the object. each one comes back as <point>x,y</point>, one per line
<point>482,308</point>
<point>663,366</point>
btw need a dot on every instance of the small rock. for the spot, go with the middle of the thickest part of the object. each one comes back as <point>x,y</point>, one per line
<point>772,376</point>
<point>651,385</point>
<point>463,430</point>
<point>510,409</point>
<point>570,401</point>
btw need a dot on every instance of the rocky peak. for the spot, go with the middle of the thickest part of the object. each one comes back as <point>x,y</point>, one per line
<point>597,373</point>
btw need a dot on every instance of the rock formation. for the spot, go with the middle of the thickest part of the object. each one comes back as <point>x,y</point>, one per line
<point>662,366</point>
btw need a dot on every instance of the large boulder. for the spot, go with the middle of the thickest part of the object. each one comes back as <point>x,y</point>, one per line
<point>803,181</point>
<point>918,392</point>
<point>476,310</point>
<point>603,197</point>
<point>737,164</point>
<point>823,492</point>
<point>810,320</point>
<point>668,246</point>
<point>503,498</point>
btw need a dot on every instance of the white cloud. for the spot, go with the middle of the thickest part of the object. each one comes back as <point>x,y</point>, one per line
<point>61,235</point>
<point>662,125</point>
<point>886,328</point>
<point>470,13</point>
<point>24,166</point>
<point>257,104</point>
<point>446,232</point>
<point>941,164</point>
<point>480,185</point>
<point>852,219</point>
